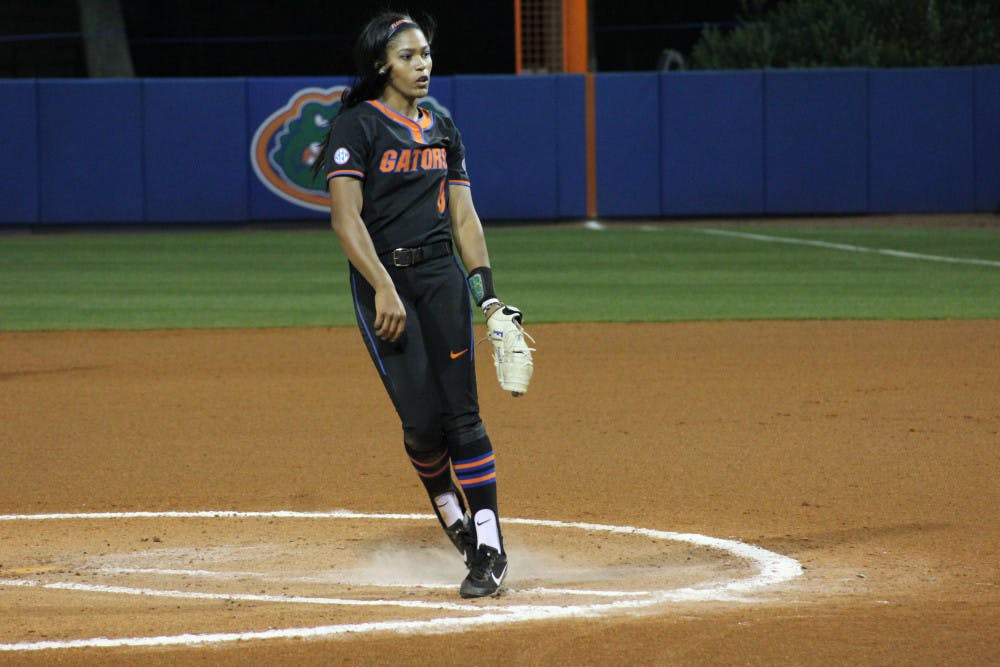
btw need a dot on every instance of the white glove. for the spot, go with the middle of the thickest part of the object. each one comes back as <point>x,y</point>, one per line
<point>511,354</point>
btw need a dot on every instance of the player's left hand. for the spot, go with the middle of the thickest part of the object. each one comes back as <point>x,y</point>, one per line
<point>511,354</point>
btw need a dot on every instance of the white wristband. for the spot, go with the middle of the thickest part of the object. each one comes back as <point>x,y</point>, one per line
<point>489,303</point>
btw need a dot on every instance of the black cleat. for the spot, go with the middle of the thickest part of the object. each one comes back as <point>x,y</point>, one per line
<point>486,573</point>
<point>463,537</point>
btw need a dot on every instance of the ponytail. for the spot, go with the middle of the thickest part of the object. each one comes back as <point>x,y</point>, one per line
<point>371,74</point>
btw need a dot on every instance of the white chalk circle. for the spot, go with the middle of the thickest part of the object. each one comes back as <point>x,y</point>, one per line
<point>769,569</point>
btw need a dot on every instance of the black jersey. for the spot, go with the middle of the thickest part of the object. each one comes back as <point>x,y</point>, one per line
<point>406,167</point>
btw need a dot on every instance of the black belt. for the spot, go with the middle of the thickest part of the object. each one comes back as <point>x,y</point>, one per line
<point>403,257</point>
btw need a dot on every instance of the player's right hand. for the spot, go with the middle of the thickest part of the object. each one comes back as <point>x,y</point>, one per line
<point>390,316</point>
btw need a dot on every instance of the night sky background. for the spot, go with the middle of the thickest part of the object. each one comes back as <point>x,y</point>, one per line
<point>206,38</point>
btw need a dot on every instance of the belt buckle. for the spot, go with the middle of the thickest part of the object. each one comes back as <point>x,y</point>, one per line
<point>400,253</point>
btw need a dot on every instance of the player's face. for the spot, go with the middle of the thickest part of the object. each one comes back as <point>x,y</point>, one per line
<point>409,57</point>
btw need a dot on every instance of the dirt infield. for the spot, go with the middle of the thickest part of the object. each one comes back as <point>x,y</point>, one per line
<point>867,453</point>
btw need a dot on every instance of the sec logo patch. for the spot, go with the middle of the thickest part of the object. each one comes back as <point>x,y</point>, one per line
<point>342,155</point>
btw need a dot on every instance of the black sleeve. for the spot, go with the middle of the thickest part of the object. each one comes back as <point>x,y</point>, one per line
<point>457,173</point>
<point>349,147</point>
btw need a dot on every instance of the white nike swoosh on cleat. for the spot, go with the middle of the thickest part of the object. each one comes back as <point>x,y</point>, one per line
<point>497,580</point>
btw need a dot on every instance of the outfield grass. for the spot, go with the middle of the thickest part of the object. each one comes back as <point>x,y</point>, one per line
<point>562,273</point>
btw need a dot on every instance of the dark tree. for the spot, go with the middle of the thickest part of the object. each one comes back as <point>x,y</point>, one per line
<point>855,33</point>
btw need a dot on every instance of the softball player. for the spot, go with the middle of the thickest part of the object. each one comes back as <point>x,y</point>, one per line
<point>399,197</point>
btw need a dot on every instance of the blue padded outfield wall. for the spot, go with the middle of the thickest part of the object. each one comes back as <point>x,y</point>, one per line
<point>89,151</point>
<point>669,144</point>
<point>192,142</point>
<point>921,156</point>
<point>811,140</point>
<point>19,146</point>
<point>712,148</point>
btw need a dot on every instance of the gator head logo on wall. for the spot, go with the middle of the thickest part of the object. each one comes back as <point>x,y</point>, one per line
<point>286,145</point>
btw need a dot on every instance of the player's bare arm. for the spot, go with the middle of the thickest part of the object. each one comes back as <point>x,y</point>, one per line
<point>346,201</point>
<point>467,230</point>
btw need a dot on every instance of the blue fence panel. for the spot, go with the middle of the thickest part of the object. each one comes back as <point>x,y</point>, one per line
<point>987,143</point>
<point>195,149</point>
<point>921,123</point>
<point>285,123</point>
<point>628,144</point>
<point>816,141</point>
<point>571,145</point>
<point>90,146</point>
<point>508,125</point>
<point>442,94</point>
<point>713,145</point>
<point>19,147</point>
<point>671,143</point>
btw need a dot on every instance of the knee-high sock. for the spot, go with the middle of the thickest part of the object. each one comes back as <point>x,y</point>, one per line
<point>475,467</point>
<point>434,470</point>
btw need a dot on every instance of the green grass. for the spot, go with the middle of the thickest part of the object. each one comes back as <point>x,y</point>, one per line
<point>670,272</point>
<point>680,273</point>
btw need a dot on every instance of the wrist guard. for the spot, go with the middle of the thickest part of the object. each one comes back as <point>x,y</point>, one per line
<point>481,285</point>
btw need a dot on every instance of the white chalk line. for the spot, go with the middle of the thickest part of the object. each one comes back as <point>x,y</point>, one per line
<point>213,514</point>
<point>596,226</point>
<point>240,597</point>
<point>773,569</point>
<point>263,576</point>
<point>828,245</point>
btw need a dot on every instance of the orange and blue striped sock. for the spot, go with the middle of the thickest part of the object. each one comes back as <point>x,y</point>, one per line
<point>434,469</point>
<point>477,476</point>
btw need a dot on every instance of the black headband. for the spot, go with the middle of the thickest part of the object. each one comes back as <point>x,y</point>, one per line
<point>399,25</point>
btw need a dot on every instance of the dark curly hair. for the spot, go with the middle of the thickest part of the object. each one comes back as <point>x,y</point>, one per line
<point>370,51</point>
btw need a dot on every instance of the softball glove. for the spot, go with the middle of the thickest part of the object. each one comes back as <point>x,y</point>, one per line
<point>511,354</point>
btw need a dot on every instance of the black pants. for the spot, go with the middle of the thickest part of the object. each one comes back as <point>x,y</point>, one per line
<point>429,372</point>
